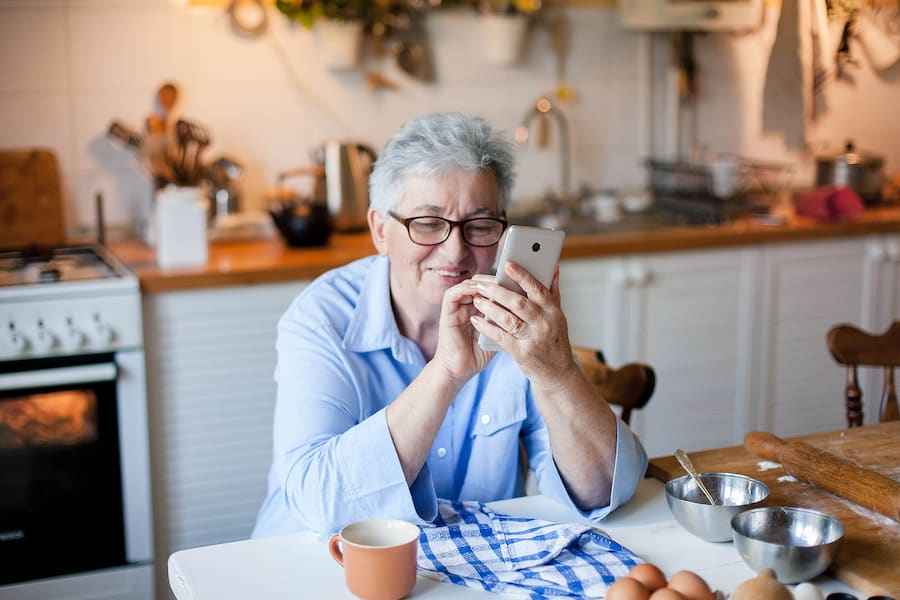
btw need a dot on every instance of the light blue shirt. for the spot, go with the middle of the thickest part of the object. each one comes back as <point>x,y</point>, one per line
<point>341,362</point>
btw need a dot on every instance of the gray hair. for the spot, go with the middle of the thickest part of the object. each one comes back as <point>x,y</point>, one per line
<point>436,145</point>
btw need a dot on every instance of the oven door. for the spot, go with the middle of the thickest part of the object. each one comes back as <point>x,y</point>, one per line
<point>61,489</point>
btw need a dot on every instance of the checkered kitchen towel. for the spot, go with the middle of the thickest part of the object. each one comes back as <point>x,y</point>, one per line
<point>474,546</point>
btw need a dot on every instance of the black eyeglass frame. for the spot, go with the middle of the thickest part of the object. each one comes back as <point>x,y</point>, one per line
<point>407,221</point>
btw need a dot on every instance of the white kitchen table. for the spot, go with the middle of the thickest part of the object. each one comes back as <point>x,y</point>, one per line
<point>299,566</point>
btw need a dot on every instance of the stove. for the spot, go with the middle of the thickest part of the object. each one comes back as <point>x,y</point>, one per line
<point>75,508</point>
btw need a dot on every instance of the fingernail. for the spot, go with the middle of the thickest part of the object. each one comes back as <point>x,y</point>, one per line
<point>474,320</point>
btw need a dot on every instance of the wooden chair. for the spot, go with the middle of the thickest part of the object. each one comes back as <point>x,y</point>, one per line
<point>853,347</point>
<point>630,386</point>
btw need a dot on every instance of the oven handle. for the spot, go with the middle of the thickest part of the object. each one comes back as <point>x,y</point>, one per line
<point>43,378</point>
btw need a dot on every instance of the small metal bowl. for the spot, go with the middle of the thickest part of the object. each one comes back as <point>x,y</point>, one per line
<point>733,494</point>
<point>797,543</point>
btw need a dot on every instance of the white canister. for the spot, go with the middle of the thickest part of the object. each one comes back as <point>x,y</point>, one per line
<point>181,238</point>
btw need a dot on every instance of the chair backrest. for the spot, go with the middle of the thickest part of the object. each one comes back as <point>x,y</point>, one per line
<point>630,386</point>
<point>853,347</point>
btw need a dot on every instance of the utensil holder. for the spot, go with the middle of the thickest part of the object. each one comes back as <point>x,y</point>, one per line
<point>181,217</point>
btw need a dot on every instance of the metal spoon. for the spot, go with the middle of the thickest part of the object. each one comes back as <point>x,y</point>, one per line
<point>685,462</point>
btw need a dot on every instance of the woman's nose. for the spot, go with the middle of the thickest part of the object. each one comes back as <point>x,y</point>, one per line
<point>455,246</point>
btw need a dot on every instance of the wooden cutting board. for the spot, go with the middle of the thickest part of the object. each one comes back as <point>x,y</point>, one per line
<point>31,212</point>
<point>869,560</point>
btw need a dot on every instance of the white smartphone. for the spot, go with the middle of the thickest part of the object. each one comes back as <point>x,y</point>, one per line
<point>534,249</point>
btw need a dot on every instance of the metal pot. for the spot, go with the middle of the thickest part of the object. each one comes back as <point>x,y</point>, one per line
<point>858,170</point>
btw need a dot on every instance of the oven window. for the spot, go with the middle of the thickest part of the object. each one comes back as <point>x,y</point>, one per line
<point>61,507</point>
<point>57,419</point>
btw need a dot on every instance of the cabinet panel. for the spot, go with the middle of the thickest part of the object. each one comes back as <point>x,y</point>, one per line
<point>210,362</point>
<point>588,291</point>
<point>808,288</point>
<point>687,319</point>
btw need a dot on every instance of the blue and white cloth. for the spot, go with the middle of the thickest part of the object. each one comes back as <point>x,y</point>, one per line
<point>474,546</point>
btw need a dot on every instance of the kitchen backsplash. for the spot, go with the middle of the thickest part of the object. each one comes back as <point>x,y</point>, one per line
<point>70,67</point>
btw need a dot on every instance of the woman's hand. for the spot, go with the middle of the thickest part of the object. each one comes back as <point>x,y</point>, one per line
<point>532,328</point>
<point>457,346</point>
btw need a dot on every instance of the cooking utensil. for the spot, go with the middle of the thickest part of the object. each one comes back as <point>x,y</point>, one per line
<point>346,167</point>
<point>797,543</point>
<point>124,134</point>
<point>712,522</point>
<point>682,458</point>
<point>862,171</point>
<point>192,138</point>
<point>829,472</point>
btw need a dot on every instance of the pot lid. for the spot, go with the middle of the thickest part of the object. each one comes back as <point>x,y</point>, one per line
<point>853,156</point>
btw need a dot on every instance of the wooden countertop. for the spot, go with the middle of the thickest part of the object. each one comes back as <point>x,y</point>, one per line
<point>271,261</point>
<point>871,540</point>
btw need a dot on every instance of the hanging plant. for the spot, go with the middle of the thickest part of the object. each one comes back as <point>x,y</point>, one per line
<point>306,12</point>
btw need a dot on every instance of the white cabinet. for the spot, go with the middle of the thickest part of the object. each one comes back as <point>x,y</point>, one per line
<point>736,336</point>
<point>805,290</point>
<point>686,314</point>
<point>210,365</point>
<point>881,307</point>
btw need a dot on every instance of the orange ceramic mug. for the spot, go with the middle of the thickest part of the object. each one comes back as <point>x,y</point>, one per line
<point>378,556</point>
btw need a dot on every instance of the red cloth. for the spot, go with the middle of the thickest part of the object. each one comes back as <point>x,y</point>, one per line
<point>829,203</point>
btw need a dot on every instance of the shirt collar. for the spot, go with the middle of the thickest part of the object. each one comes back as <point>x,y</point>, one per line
<point>372,325</point>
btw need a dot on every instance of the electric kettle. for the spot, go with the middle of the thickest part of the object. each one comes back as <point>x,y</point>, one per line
<point>346,167</point>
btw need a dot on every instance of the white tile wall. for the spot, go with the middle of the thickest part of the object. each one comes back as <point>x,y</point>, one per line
<point>69,67</point>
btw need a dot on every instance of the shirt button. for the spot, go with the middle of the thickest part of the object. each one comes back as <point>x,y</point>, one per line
<point>442,452</point>
<point>485,419</point>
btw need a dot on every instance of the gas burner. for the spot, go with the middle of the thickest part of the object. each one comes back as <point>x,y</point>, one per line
<point>43,266</point>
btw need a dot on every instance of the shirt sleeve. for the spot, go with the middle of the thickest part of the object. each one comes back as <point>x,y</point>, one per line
<point>630,465</point>
<point>334,458</point>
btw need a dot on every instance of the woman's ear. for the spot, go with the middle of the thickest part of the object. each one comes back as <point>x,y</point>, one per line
<point>376,228</point>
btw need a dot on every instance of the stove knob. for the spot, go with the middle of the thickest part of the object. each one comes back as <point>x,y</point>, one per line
<point>17,341</point>
<point>73,338</point>
<point>45,340</point>
<point>103,333</point>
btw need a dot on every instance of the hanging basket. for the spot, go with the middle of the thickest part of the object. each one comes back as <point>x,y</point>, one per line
<point>504,38</point>
<point>340,43</point>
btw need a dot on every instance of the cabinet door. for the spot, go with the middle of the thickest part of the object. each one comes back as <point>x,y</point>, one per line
<point>806,289</point>
<point>881,307</point>
<point>587,288</point>
<point>686,315</point>
<point>210,365</point>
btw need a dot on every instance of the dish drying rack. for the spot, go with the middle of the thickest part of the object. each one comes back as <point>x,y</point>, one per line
<point>716,192</point>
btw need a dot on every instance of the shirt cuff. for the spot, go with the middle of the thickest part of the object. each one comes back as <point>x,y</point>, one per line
<point>629,468</point>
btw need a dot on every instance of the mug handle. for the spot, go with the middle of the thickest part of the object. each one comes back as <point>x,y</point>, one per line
<point>335,550</point>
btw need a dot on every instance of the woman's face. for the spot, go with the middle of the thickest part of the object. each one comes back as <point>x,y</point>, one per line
<point>421,274</point>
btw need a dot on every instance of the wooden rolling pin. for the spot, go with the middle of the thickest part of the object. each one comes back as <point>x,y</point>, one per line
<point>829,472</point>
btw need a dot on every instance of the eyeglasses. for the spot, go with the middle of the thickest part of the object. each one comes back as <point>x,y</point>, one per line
<point>431,231</point>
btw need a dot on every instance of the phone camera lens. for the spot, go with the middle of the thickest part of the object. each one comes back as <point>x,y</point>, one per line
<point>536,247</point>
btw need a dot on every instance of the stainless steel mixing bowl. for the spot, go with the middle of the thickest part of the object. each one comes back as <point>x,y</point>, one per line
<point>797,543</point>
<point>733,494</point>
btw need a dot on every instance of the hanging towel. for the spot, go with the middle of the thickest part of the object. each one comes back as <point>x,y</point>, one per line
<point>823,57</point>
<point>474,546</point>
<point>787,93</point>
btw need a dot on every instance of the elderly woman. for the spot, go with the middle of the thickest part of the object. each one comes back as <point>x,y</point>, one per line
<point>385,400</point>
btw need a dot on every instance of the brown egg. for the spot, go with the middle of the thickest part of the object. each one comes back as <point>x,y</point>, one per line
<point>691,586</point>
<point>649,575</point>
<point>666,594</point>
<point>627,588</point>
